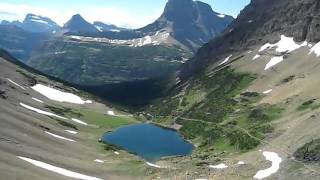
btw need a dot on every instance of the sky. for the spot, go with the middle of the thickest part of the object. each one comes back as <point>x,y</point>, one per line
<point>124,13</point>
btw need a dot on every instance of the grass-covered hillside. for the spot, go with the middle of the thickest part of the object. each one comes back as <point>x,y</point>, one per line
<point>217,113</point>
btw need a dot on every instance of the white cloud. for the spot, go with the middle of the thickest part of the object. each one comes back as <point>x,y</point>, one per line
<point>112,15</point>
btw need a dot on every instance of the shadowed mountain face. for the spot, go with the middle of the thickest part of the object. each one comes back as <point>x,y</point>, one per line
<point>79,25</point>
<point>193,23</point>
<point>19,42</point>
<point>259,22</point>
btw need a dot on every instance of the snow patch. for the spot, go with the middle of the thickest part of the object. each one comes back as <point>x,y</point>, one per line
<point>274,61</point>
<point>267,91</point>
<point>57,95</point>
<point>38,100</point>
<point>39,21</point>
<point>156,39</point>
<point>275,159</point>
<point>71,132</point>
<point>41,111</point>
<point>219,166</point>
<point>316,49</point>
<point>59,137</point>
<point>153,165</point>
<point>225,60</point>
<point>16,84</point>
<point>78,121</point>
<point>58,170</point>
<point>286,44</point>
<point>111,113</point>
<point>256,57</point>
<point>99,161</point>
<point>99,28</point>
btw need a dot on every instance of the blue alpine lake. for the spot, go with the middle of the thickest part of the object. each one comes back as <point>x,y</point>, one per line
<point>149,141</point>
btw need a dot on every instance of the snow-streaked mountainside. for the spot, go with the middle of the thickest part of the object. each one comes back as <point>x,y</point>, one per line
<point>156,39</point>
<point>260,22</point>
<point>35,23</point>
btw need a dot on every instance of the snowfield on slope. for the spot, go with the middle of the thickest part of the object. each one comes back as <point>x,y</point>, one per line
<point>41,111</point>
<point>57,95</point>
<point>38,100</point>
<point>316,49</point>
<point>59,137</point>
<point>153,165</point>
<point>78,121</point>
<point>275,159</point>
<point>58,170</point>
<point>155,39</point>
<point>274,61</point>
<point>267,91</point>
<point>71,132</point>
<point>16,84</point>
<point>219,166</point>
<point>225,60</point>
<point>286,44</point>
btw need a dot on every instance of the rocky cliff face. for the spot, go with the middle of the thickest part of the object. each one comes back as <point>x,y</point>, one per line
<point>259,22</point>
<point>193,23</point>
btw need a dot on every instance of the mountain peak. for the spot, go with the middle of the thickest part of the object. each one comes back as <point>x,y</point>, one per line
<point>37,23</point>
<point>192,23</point>
<point>77,24</point>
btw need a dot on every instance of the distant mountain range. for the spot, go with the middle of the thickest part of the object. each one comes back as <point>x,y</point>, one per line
<point>35,23</point>
<point>80,51</point>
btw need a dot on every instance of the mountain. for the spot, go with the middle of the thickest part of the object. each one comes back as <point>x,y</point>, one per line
<point>259,22</point>
<point>21,43</point>
<point>251,96</point>
<point>82,52</point>
<point>35,23</point>
<point>107,27</point>
<point>36,130</point>
<point>79,25</point>
<point>97,61</point>
<point>13,23</point>
<point>193,23</point>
